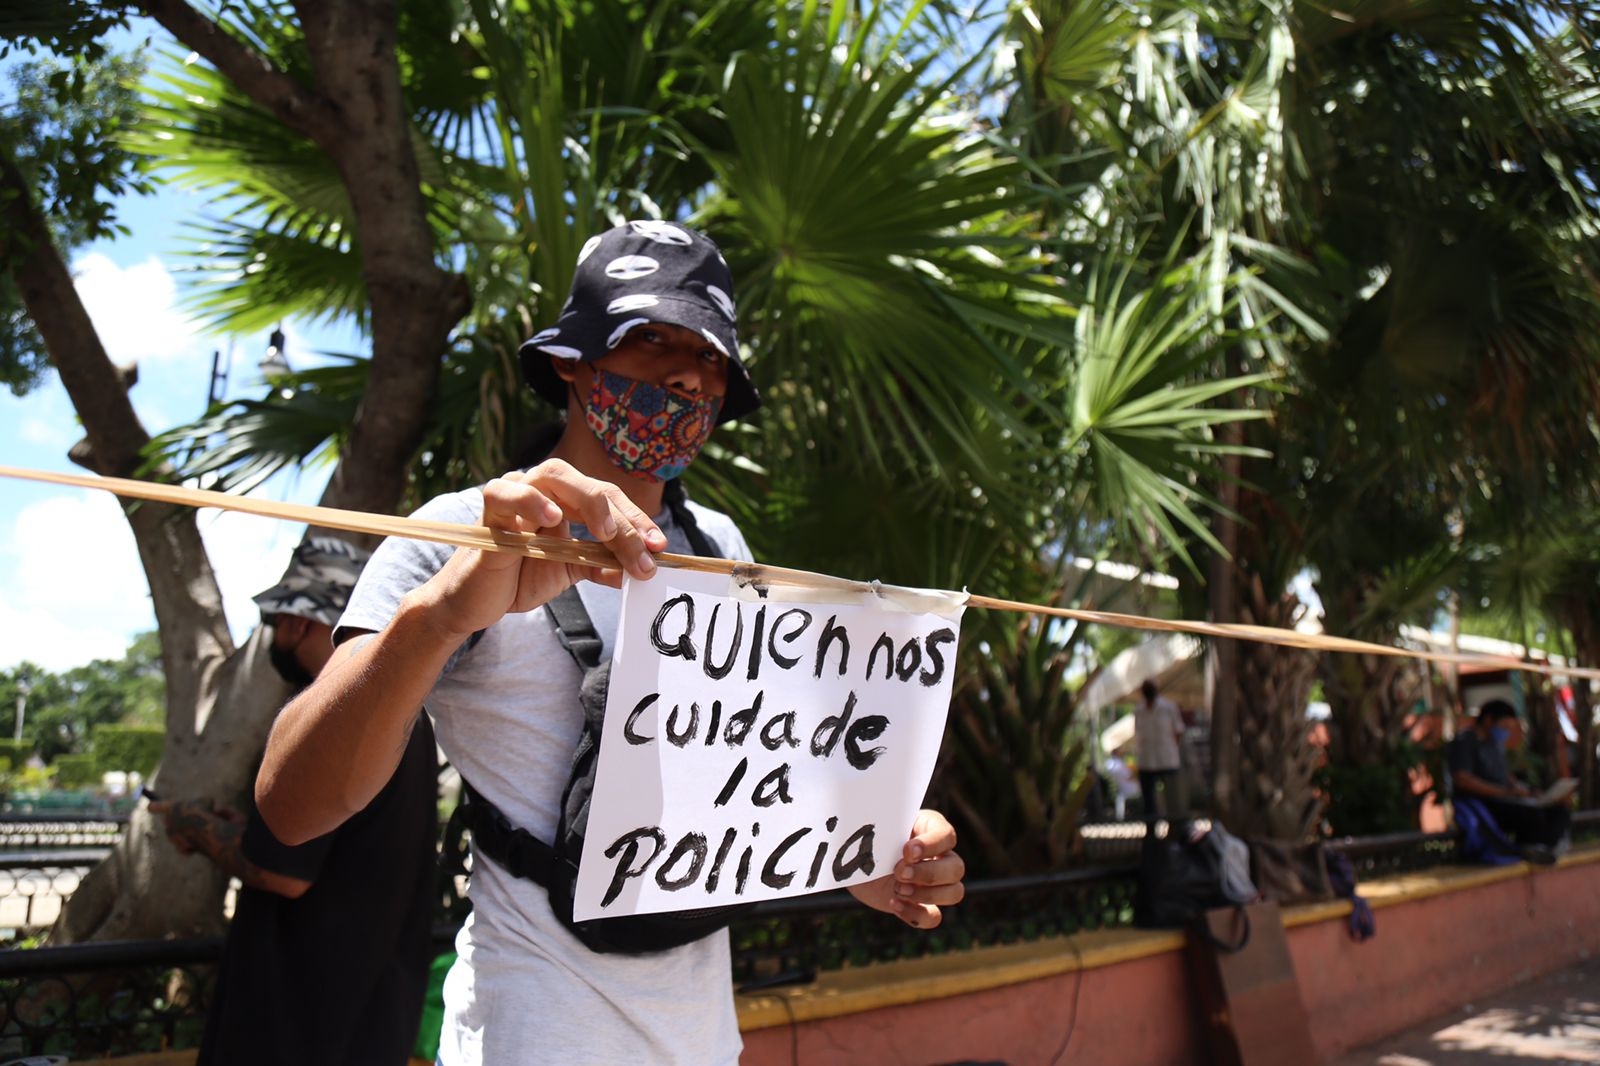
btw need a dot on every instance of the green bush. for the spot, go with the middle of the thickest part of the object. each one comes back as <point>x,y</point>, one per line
<point>130,748</point>
<point>76,771</point>
<point>16,752</point>
<point>1378,798</point>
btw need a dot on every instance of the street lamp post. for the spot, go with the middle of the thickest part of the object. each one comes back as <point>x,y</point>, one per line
<point>219,378</point>
<point>275,363</point>
<point>23,688</point>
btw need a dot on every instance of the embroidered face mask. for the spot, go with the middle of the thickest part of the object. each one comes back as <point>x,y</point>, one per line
<point>648,431</point>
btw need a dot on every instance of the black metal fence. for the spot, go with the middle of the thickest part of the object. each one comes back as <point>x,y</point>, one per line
<point>119,998</point>
<point>123,998</point>
<point>791,940</point>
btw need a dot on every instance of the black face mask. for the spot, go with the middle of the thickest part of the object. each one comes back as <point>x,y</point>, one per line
<point>288,666</point>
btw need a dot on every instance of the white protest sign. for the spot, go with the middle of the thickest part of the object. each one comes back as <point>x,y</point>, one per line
<point>761,747</point>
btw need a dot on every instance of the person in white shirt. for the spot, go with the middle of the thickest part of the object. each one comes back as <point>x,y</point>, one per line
<point>645,360</point>
<point>1157,729</point>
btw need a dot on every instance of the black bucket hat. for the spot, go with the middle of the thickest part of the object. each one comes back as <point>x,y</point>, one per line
<point>642,272</point>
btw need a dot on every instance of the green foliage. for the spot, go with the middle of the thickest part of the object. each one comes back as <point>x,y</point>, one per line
<point>904,311</point>
<point>1378,797</point>
<point>63,709</point>
<point>59,125</point>
<point>76,771</point>
<point>23,787</point>
<point>1014,764</point>
<point>60,27</point>
<point>129,748</point>
<point>15,753</point>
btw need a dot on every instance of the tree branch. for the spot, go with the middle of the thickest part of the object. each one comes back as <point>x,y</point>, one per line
<point>183,589</point>
<point>297,106</point>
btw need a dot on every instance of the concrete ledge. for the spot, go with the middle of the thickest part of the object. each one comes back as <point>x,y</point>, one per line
<point>890,984</point>
<point>837,994</point>
<point>1132,986</point>
<point>1408,888</point>
<point>991,970</point>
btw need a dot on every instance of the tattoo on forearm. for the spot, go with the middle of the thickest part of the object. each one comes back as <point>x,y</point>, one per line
<point>405,736</point>
<point>223,841</point>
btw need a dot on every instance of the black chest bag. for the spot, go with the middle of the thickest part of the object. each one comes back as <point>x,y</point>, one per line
<point>555,866</point>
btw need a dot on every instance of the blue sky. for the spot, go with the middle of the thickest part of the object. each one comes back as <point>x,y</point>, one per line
<point>73,586</point>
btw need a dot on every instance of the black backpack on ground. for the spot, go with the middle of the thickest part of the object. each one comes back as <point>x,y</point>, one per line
<point>555,866</point>
<point>1180,878</point>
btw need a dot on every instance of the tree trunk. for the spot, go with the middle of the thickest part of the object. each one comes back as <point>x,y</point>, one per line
<point>1276,800</point>
<point>355,112</point>
<point>217,763</point>
<point>414,303</point>
<point>1583,698</point>
<point>1222,659</point>
<point>144,888</point>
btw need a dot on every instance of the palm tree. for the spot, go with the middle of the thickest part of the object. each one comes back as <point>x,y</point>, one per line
<point>1475,314</point>
<point>952,395</point>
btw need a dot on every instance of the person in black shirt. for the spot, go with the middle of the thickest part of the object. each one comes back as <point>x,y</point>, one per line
<point>327,957</point>
<point>1477,764</point>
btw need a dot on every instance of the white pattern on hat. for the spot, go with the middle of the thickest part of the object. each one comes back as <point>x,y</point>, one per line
<point>723,301</point>
<point>588,249</point>
<point>637,301</point>
<point>561,351</point>
<point>662,232</point>
<point>712,337</point>
<point>545,335</point>
<point>631,267</point>
<point>622,330</point>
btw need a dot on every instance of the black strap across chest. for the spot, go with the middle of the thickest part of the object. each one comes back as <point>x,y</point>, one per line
<point>513,848</point>
<point>575,629</point>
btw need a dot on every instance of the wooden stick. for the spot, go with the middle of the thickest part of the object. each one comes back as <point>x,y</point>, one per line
<point>587,553</point>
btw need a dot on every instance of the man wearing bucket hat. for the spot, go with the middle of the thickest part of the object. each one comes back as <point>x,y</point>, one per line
<point>644,359</point>
<point>327,955</point>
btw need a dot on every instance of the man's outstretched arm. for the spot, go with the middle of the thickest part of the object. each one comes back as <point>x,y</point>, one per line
<point>335,745</point>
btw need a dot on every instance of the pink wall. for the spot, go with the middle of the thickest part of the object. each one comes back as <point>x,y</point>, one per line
<point>1138,1010</point>
<point>1430,955</point>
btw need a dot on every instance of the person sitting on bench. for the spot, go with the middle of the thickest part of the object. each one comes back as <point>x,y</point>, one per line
<point>1477,762</point>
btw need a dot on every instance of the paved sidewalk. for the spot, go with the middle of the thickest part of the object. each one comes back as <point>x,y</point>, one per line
<point>1551,1020</point>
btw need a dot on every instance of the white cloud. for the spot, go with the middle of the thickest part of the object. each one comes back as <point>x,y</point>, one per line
<point>77,591</point>
<point>248,555</point>
<point>74,588</point>
<point>46,434</point>
<point>133,309</point>
<point>55,643</point>
<point>71,584</point>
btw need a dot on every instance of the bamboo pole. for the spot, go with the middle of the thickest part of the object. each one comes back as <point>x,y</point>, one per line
<point>587,553</point>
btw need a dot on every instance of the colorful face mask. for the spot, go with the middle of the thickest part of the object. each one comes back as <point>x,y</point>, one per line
<point>648,431</point>
<point>1499,734</point>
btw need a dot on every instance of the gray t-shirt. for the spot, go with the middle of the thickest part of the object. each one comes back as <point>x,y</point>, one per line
<point>506,714</point>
